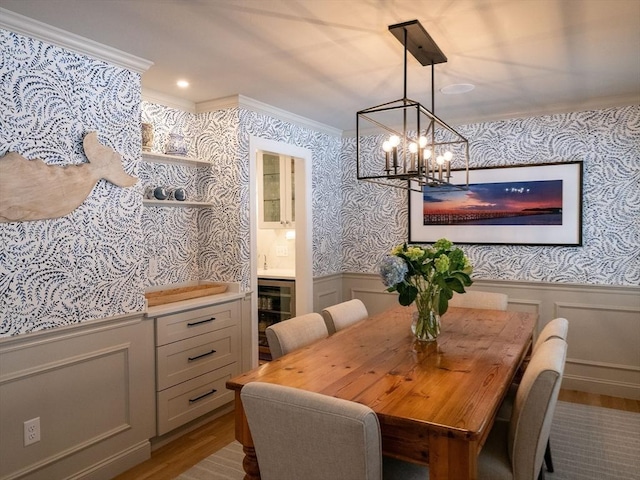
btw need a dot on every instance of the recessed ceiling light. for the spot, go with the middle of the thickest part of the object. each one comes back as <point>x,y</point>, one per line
<point>182,83</point>
<point>457,88</point>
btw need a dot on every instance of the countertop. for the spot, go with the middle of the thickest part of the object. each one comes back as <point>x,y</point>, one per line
<point>233,293</point>
<point>284,273</point>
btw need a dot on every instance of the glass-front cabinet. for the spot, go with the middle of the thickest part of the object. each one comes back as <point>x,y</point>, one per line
<point>276,191</point>
<point>276,303</point>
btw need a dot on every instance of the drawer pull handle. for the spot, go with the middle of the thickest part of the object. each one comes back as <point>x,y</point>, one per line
<point>193,324</point>
<point>191,359</point>
<point>192,400</point>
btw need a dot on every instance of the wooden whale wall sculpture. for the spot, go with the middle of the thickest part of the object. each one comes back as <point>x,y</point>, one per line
<point>33,190</point>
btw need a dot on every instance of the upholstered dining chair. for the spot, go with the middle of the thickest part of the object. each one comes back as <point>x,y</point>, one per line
<point>479,299</point>
<point>304,435</point>
<point>297,332</point>
<point>344,314</point>
<point>514,449</point>
<point>556,328</point>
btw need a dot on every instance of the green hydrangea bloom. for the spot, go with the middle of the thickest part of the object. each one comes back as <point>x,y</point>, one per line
<point>443,244</point>
<point>442,264</point>
<point>414,253</point>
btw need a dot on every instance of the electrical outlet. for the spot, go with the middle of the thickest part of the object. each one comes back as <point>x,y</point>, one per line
<point>282,251</point>
<point>31,431</point>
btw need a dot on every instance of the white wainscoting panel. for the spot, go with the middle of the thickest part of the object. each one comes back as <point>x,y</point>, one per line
<point>327,291</point>
<point>92,386</point>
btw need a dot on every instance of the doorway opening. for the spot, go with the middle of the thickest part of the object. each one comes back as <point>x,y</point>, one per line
<point>281,232</point>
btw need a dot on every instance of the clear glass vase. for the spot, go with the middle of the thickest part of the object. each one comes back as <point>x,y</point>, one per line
<point>426,321</point>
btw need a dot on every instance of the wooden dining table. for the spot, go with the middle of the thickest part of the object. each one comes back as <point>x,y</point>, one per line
<point>436,401</point>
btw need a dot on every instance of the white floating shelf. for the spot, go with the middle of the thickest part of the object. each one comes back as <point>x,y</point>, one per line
<point>176,159</point>
<point>173,203</point>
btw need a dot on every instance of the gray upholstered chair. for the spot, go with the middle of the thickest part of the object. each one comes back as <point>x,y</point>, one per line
<point>479,299</point>
<point>514,449</point>
<point>303,435</point>
<point>344,314</point>
<point>556,328</point>
<point>295,333</point>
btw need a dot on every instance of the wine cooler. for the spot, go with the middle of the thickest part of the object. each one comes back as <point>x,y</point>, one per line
<point>276,303</point>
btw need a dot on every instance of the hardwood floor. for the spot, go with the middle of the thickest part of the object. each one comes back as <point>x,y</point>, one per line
<point>169,461</point>
<point>600,400</point>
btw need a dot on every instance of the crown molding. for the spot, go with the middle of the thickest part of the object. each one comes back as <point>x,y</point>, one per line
<point>218,104</point>
<point>601,103</point>
<point>260,107</point>
<point>41,31</point>
<point>153,96</point>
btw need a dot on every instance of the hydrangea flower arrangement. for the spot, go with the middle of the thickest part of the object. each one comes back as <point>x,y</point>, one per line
<point>426,275</point>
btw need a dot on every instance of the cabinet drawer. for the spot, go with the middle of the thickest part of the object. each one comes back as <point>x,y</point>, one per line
<point>179,326</point>
<point>181,361</point>
<point>189,400</point>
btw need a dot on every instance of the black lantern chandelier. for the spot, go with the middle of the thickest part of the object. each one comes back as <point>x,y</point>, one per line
<point>401,143</point>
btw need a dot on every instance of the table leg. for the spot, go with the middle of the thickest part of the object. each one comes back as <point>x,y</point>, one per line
<point>452,458</point>
<point>243,435</point>
<point>250,464</point>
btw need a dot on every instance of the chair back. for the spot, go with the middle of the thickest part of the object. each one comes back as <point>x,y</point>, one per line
<point>533,408</point>
<point>304,435</point>
<point>556,328</point>
<point>344,314</point>
<point>295,333</point>
<point>479,299</point>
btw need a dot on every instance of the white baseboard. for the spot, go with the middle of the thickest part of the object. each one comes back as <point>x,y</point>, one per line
<point>116,464</point>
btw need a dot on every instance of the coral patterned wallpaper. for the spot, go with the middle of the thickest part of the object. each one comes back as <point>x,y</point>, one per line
<point>97,261</point>
<point>203,249</point>
<point>170,234</point>
<point>84,265</point>
<point>607,141</point>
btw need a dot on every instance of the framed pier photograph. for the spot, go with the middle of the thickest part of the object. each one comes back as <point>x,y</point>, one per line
<point>526,205</point>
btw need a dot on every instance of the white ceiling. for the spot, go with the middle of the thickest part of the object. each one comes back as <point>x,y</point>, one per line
<point>327,59</point>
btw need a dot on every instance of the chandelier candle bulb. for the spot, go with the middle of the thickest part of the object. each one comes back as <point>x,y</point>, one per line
<point>386,146</point>
<point>394,140</point>
<point>413,149</point>
<point>447,157</point>
<point>395,160</point>
<point>440,162</point>
<point>422,154</point>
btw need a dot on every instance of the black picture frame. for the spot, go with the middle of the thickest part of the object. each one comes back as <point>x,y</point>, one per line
<point>516,205</point>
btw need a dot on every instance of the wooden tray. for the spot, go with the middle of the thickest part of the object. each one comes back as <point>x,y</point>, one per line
<point>161,297</point>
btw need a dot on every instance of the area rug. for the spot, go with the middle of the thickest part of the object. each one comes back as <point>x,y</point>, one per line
<point>225,464</point>
<point>587,443</point>
<point>594,443</point>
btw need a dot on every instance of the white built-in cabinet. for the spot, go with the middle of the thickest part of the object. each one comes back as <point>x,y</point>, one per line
<point>162,158</point>
<point>276,191</point>
<point>197,352</point>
